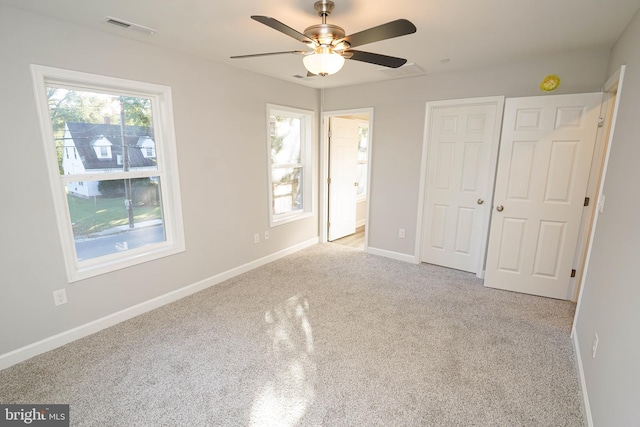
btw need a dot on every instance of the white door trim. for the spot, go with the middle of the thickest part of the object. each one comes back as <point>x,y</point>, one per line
<point>324,168</point>
<point>605,133</point>
<point>430,106</point>
<point>613,85</point>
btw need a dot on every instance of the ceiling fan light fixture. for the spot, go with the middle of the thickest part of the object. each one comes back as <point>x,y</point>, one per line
<point>330,46</point>
<point>323,62</point>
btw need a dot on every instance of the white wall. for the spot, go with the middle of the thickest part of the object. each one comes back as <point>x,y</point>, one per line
<point>221,143</point>
<point>399,111</point>
<point>610,301</point>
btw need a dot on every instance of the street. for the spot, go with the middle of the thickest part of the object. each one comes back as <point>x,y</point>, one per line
<point>130,239</point>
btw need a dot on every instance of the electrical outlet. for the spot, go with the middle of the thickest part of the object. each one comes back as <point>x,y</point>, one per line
<point>266,235</point>
<point>401,233</point>
<point>60,297</point>
<point>256,238</point>
<point>595,345</point>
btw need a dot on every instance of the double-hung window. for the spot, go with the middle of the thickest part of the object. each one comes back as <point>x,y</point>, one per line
<point>289,147</point>
<point>110,149</point>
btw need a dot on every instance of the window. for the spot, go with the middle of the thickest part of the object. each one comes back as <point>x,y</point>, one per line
<point>101,145</point>
<point>289,147</point>
<point>147,146</point>
<point>363,146</point>
<point>116,205</point>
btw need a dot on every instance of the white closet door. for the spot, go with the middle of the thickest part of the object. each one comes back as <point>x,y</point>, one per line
<point>545,157</point>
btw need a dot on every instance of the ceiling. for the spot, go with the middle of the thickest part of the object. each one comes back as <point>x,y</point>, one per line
<point>451,35</point>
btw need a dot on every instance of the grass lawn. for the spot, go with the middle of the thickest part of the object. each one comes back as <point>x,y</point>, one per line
<point>93,215</point>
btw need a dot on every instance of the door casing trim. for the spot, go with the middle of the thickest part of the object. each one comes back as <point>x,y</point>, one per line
<point>324,168</point>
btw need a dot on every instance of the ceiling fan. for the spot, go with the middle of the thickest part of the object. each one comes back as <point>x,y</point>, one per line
<point>330,47</point>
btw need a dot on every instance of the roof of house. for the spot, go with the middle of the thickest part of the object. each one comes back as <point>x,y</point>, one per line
<point>83,134</point>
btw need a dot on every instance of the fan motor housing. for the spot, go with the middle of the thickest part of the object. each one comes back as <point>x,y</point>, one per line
<point>324,34</point>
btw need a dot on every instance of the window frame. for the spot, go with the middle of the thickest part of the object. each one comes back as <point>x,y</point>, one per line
<point>306,158</point>
<point>167,169</point>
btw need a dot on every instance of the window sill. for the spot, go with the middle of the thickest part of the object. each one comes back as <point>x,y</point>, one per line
<point>290,218</point>
<point>108,264</point>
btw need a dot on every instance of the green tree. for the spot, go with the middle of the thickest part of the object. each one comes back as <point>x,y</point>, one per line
<point>137,111</point>
<point>72,106</point>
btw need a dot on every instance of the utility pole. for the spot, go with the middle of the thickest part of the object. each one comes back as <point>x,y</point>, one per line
<point>125,166</point>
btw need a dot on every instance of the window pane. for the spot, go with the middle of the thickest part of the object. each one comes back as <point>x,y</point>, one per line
<point>101,133</point>
<point>102,224</point>
<point>286,136</point>
<point>287,190</point>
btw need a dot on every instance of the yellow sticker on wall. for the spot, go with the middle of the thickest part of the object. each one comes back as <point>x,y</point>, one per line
<point>550,83</point>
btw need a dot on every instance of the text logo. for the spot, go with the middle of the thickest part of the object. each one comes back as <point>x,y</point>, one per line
<point>34,415</point>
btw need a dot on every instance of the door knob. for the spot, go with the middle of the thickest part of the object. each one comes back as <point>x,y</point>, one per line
<point>499,208</point>
<point>480,201</point>
<point>355,184</point>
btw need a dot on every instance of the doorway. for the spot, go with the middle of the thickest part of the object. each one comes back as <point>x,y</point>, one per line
<point>346,150</point>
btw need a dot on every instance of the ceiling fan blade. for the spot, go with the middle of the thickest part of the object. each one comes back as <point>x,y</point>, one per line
<point>375,58</point>
<point>399,27</point>
<point>253,55</point>
<point>277,25</point>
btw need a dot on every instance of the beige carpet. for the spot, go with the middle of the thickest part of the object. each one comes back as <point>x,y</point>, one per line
<point>329,336</point>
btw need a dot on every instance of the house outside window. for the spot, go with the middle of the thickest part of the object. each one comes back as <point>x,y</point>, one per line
<point>289,147</point>
<point>115,205</point>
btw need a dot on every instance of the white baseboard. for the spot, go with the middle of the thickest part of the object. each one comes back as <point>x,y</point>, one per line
<point>583,383</point>
<point>58,340</point>
<point>393,255</point>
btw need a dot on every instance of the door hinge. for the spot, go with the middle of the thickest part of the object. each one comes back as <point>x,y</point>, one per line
<point>586,201</point>
<point>329,134</point>
<point>328,224</point>
<point>328,180</point>
<point>601,122</point>
<point>573,273</point>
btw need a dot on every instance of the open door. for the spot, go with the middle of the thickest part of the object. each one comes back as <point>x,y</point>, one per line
<point>343,176</point>
<point>543,169</point>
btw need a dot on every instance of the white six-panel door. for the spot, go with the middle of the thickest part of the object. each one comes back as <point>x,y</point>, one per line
<point>461,145</point>
<point>545,156</point>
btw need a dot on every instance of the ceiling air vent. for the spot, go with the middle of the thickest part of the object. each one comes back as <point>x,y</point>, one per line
<point>129,25</point>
